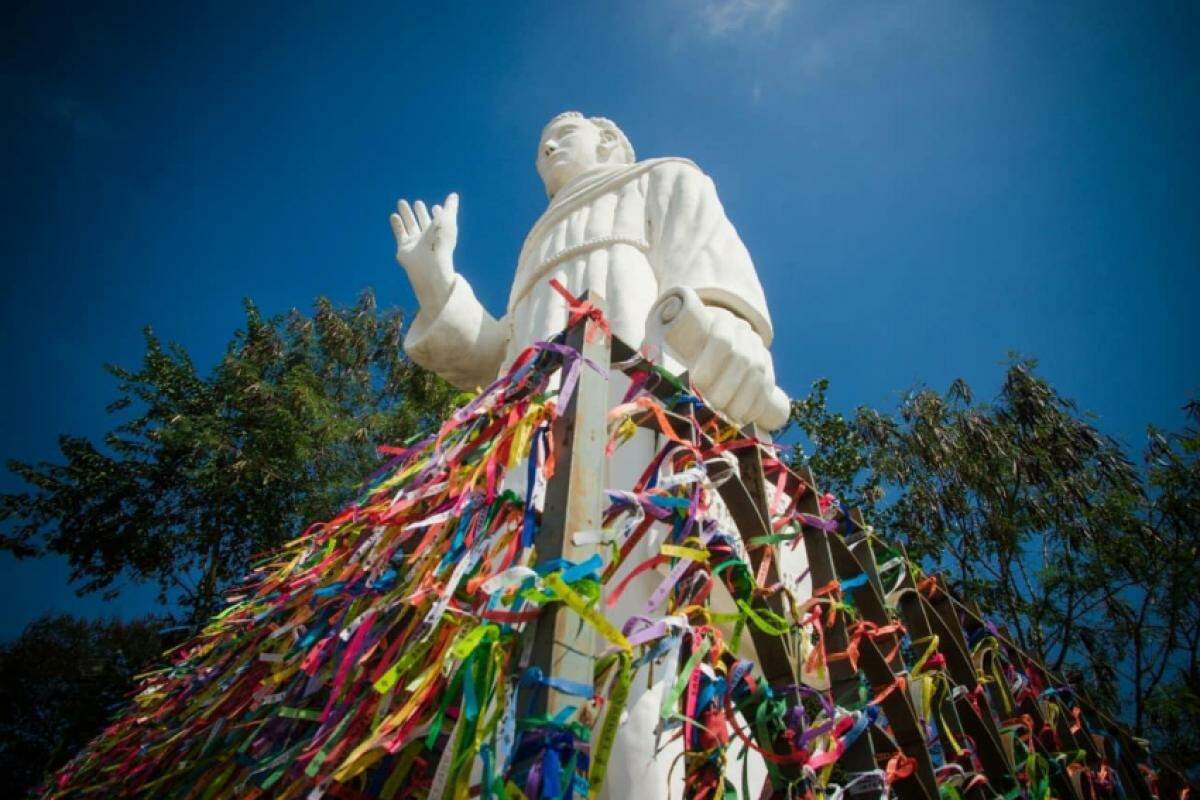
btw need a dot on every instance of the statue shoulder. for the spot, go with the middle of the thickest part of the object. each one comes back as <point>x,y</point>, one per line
<point>671,175</point>
<point>671,167</point>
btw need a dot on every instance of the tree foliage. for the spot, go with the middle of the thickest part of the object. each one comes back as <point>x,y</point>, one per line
<point>208,469</point>
<point>1089,562</point>
<point>1161,625</point>
<point>59,682</point>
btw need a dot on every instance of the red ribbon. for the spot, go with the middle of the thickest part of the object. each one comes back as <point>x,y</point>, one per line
<point>580,310</point>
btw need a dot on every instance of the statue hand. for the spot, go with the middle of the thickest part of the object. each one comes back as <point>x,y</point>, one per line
<point>727,361</point>
<point>425,248</point>
<point>734,370</point>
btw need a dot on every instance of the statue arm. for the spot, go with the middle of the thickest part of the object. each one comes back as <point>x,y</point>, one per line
<point>460,341</point>
<point>452,335</point>
<point>694,248</point>
<point>694,245</point>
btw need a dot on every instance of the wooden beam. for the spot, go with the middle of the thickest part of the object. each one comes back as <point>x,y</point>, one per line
<point>563,645</point>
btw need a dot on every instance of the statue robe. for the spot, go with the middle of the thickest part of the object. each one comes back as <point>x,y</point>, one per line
<point>631,233</point>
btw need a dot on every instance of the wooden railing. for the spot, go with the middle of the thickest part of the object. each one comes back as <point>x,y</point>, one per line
<point>970,708</point>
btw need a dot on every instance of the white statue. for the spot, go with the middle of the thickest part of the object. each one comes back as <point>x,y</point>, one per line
<point>635,232</point>
<point>632,231</point>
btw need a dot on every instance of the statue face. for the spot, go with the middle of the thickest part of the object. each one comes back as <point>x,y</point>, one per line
<point>569,146</point>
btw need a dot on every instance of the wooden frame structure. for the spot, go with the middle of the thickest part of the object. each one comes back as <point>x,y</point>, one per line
<point>969,711</point>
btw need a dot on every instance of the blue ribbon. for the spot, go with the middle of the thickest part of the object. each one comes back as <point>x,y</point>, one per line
<point>866,718</point>
<point>572,572</point>
<point>530,522</point>
<point>853,583</point>
<point>551,774</point>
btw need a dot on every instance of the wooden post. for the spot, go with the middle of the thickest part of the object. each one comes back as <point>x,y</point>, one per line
<point>564,646</point>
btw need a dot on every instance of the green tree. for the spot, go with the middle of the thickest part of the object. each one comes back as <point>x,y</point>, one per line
<point>1157,635</point>
<point>59,682</point>
<point>207,470</point>
<point>1089,563</point>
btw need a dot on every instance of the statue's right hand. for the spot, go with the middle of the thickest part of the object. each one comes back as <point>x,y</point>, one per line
<point>425,247</point>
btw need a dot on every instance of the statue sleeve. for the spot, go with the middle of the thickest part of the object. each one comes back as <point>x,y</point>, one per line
<point>693,244</point>
<point>461,341</point>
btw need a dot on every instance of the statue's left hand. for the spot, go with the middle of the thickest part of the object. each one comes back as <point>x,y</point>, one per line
<point>728,362</point>
<point>734,370</point>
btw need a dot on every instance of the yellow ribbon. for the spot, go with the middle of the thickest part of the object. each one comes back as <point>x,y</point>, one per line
<point>581,607</point>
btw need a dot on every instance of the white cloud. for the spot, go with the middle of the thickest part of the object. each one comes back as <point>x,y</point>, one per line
<point>721,18</point>
<point>784,46</point>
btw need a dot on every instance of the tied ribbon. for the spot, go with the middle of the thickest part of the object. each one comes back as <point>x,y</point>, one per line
<point>618,696</point>
<point>586,610</point>
<point>866,629</point>
<point>899,767</point>
<point>582,310</point>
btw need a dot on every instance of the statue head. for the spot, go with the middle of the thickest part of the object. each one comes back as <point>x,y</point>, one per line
<point>572,144</point>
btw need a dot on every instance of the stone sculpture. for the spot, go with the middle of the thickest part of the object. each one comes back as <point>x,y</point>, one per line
<point>653,239</point>
<point>632,231</point>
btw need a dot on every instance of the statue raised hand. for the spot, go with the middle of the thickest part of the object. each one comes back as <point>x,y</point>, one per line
<point>425,248</point>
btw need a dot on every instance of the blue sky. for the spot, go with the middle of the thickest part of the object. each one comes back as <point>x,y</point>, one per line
<point>924,186</point>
